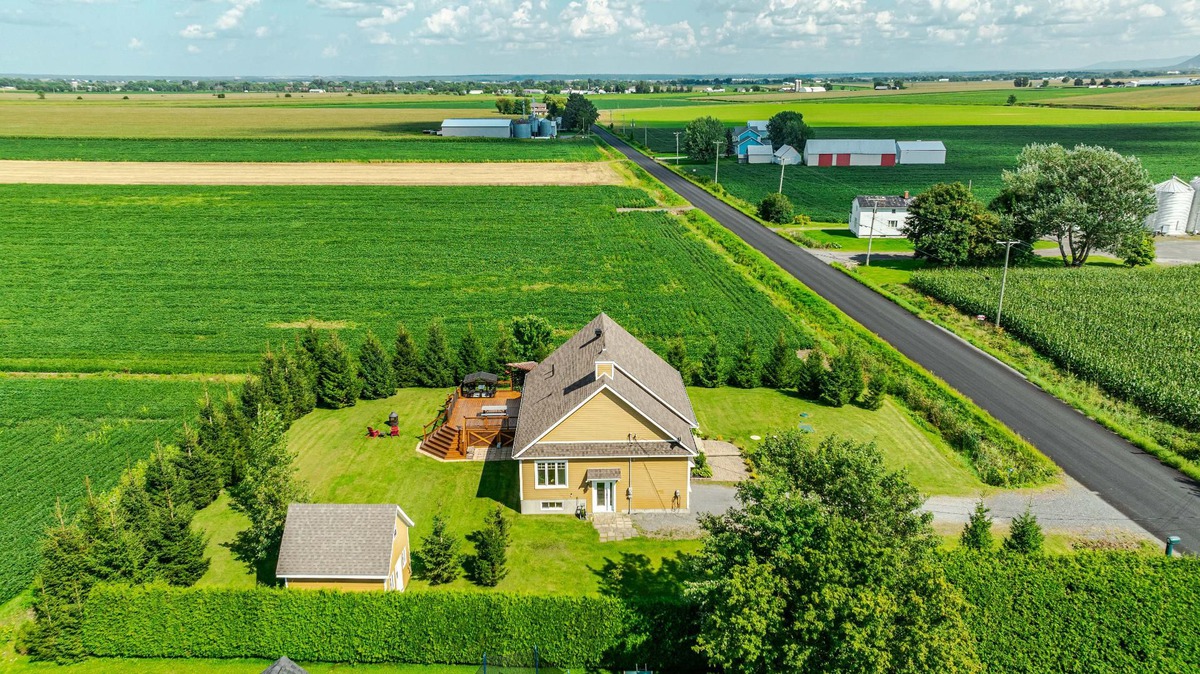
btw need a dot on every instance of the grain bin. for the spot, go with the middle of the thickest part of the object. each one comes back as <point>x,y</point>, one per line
<point>546,128</point>
<point>522,130</point>
<point>1194,221</point>
<point>1174,207</point>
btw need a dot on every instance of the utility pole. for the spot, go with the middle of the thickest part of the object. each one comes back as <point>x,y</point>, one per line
<point>781,167</point>
<point>871,235</point>
<point>717,162</point>
<point>646,136</point>
<point>677,148</point>
<point>1004,279</point>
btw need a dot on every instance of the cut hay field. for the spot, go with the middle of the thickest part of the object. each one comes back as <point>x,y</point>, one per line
<point>876,114</point>
<point>977,154</point>
<point>406,149</point>
<point>199,279</point>
<point>1183,98</point>
<point>310,173</point>
<point>54,432</point>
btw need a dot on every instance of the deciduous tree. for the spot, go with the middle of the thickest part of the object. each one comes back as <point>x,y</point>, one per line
<point>788,128</point>
<point>579,114</point>
<point>700,138</point>
<point>1089,198</point>
<point>947,225</point>
<point>826,565</point>
<point>776,208</point>
<point>269,486</point>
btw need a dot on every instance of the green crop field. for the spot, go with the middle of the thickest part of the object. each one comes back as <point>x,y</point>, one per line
<point>200,279</point>
<point>1131,331</point>
<point>879,113</point>
<point>976,154</point>
<point>55,432</point>
<point>409,149</point>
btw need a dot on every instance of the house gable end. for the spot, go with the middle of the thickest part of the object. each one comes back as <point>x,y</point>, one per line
<point>605,417</point>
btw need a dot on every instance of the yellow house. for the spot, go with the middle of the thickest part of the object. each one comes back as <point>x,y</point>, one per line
<point>353,547</point>
<point>605,425</point>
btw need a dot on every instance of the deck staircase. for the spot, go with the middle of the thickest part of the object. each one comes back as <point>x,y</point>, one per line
<point>444,443</point>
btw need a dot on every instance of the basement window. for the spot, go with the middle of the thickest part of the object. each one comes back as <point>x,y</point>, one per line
<point>552,505</point>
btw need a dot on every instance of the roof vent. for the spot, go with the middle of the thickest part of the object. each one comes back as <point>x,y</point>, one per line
<point>599,332</point>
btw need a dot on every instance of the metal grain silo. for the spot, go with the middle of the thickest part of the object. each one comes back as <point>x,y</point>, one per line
<point>1194,221</point>
<point>1174,207</point>
<point>522,130</point>
<point>546,128</point>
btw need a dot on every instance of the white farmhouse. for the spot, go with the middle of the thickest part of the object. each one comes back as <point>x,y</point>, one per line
<point>881,217</point>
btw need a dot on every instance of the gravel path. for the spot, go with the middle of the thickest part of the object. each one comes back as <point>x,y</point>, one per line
<point>337,173</point>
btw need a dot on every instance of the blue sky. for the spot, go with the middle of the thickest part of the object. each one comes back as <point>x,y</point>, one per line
<point>416,37</point>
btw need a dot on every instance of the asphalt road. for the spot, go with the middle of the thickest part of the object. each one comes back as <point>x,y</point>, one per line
<point>1159,498</point>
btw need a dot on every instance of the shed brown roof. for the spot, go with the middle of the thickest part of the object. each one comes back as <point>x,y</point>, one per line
<point>338,540</point>
<point>567,378</point>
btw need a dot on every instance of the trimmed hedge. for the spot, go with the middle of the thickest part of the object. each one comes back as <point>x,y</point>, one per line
<point>326,626</point>
<point>1084,612</point>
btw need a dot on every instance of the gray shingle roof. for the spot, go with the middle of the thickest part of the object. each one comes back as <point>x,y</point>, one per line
<point>567,378</point>
<point>284,665</point>
<point>601,450</point>
<point>338,540</point>
<point>882,202</point>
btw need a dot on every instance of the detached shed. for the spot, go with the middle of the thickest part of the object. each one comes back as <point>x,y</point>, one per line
<point>759,154</point>
<point>921,152</point>
<point>850,152</point>
<point>787,155</point>
<point>340,546</point>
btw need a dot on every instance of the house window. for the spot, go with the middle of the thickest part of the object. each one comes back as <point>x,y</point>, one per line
<point>551,474</point>
<point>552,505</point>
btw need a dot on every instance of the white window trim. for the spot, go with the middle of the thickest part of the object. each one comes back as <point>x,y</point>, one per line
<point>559,508</point>
<point>537,469</point>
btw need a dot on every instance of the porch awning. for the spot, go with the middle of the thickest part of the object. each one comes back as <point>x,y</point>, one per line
<point>602,474</point>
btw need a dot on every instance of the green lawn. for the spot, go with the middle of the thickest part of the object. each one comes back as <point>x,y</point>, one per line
<point>550,554</point>
<point>221,524</point>
<point>420,149</point>
<point>844,239</point>
<point>736,414</point>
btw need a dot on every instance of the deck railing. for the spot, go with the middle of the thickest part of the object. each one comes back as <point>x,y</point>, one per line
<point>443,416</point>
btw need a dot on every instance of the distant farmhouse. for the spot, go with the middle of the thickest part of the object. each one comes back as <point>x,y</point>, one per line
<point>881,217</point>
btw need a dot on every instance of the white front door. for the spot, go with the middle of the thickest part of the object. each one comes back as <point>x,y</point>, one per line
<point>602,497</point>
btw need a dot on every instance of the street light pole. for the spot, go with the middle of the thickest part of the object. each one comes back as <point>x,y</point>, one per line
<point>717,163</point>
<point>677,148</point>
<point>1004,279</point>
<point>871,236</point>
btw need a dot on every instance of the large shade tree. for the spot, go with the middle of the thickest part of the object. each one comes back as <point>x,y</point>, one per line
<point>827,565</point>
<point>948,225</point>
<point>788,128</point>
<point>701,137</point>
<point>1089,198</point>
<point>579,114</point>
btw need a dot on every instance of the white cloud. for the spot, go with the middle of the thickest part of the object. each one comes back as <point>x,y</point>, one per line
<point>232,17</point>
<point>196,31</point>
<point>330,52</point>
<point>193,49</point>
<point>135,43</point>
<point>387,16</point>
<point>590,19</point>
<point>262,31</point>
<point>1151,11</point>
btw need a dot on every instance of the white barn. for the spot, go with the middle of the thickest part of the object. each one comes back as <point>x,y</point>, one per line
<point>920,152</point>
<point>759,154</point>
<point>884,216</point>
<point>787,154</point>
<point>1173,216</point>
<point>477,128</point>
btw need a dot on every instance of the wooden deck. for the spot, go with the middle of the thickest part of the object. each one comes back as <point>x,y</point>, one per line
<point>462,428</point>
